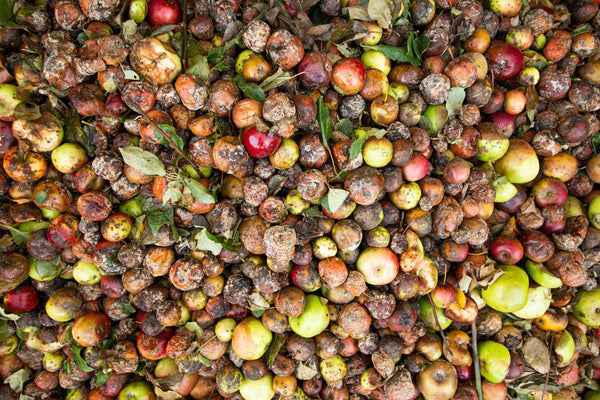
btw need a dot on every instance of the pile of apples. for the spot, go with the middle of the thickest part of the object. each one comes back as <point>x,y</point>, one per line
<point>299,200</point>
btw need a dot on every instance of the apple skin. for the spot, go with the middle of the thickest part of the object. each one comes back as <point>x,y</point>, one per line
<point>549,192</point>
<point>313,320</point>
<point>261,389</point>
<point>509,292</point>
<point>538,302</point>
<point>140,390</point>
<point>541,275</point>
<point>506,250</point>
<point>416,169</point>
<point>260,144</point>
<point>426,315</point>
<point>594,212</point>
<point>438,381</point>
<point>491,146</point>
<point>21,299</point>
<point>520,164</point>
<point>443,296</point>
<point>164,12</point>
<point>250,339</point>
<point>587,310</point>
<point>379,265</point>
<point>494,360</point>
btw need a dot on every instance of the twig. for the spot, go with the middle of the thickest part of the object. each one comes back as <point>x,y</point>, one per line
<point>185,34</point>
<point>437,322</point>
<point>547,373</point>
<point>165,135</point>
<point>476,360</point>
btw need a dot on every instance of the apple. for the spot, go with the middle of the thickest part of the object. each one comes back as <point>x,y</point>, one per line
<point>164,12</point>
<point>505,122</point>
<point>587,310</point>
<point>594,212</point>
<point>91,329</point>
<point>407,197</point>
<point>260,389</point>
<point>564,347</point>
<point>416,168</point>
<point>538,302</point>
<point>155,60</point>
<point>443,296</point>
<point>494,361</point>
<point>260,144</point>
<point>167,367</point>
<point>8,101</point>
<point>573,207</point>
<point>507,250</point>
<point>494,391</point>
<point>520,164</point>
<point>435,118</point>
<point>492,146</point>
<point>250,339</point>
<point>504,189</point>
<point>154,347</point>
<point>376,59</point>
<point>140,390</point>
<point>379,265</point>
<point>21,299</point>
<point>68,158</point>
<point>63,304</point>
<point>138,10</point>
<point>509,292</point>
<point>426,315</point>
<point>438,381</point>
<point>313,320</point>
<point>541,276</point>
<point>549,192</point>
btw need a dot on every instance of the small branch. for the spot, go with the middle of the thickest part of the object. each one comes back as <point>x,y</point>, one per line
<point>185,34</point>
<point>437,322</point>
<point>476,360</point>
<point>547,373</point>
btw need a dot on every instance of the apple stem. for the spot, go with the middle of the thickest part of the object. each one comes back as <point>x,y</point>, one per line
<point>476,360</point>
<point>185,34</point>
<point>165,135</point>
<point>437,322</point>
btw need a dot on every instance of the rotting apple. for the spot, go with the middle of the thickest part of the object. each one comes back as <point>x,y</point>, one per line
<point>520,164</point>
<point>21,299</point>
<point>139,390</point>
<point>379,265</point>
<point>587,310</point>
<point>438,381</point>
<point>250,339</point>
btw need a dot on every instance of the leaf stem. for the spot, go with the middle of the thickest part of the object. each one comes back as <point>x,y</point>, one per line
<point>476,360</point>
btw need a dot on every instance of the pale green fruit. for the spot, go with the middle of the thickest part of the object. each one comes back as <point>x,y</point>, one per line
<point>313,320</point>
<point>573,207</point>
<point>426,315</point>
<point>509,292</point>
<point>538,301</point>
<point>541,276</point>
<point>520,164</point>
<point>504,190</point>
<point>494,360</point>
<point>564,347</point>
<point>224,329</point>
<point>333,369</point>
<point>594,212</point>
<point>86,273</point>
<point>587,310</point>
<point>261,389</point>
<point>53,361</point>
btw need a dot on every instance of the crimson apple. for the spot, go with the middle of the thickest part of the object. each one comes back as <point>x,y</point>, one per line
<point>443,295</point>
<point>416,168</point>
<point>505,122</point>
<point>154,347</point>
<point>379,265</point>
<point>549,192</point>
<point>260,144</point>
<point>506,250</point>
<point>504,59</point>
<point>21,299</point>
<point>164,12</point>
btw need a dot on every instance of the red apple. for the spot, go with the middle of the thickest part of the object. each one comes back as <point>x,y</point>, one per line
<point>164,12</point>
<point>379,265</point>
<point>505,122</point>
<point>512,206</point>
<point>506,250</point>
<point>416,169</point>
<point>22,299</point>
<point>443,295</point>
<point>260,144</point>
<point>549,192</point>
<point>183,384</point>
<point>504,59</point>
<point>464,372</point>
<point>7,140</point>
<point>154,347</point>
<point>114,384</point>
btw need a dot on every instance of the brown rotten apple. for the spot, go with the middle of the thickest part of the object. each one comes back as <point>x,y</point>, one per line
<point>155,60</point>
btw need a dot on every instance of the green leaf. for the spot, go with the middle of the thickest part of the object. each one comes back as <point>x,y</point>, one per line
<point>143,161</point>
<point>128,308</point>
<point>25,397</point>
<point>171,196</point>
<point>257,312</point>
<point>344,125</point>
<point>313,211</point>
<point>131,75</point>
<point>273,349</point>
<point>454,101</point>
<point>200,192</point>
<point>172,132</point>
<point>357,146</point>
<point>215,55</point>
<point>156,219</point>
<point>198,66</point>
<point>194,327</point>
<point>79,361</point>
<point>18,379</point>
<point>47,268</point>
<point>129,28</point>
<point>333,200</point>
<point>206,241</point>
<point>278,78</point>
<point>3,330</point>
<point>249,89</point>
<point>19,237</point>
<point>74,132</point>
<point>6,14</point>
<point>417,44</point>
<point>110,342</point>
<point>102,377</point>
<point>324,122</point>
<point>141,367</point>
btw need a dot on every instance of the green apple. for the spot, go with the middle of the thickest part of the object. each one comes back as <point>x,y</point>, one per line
<point>224,329</point>
<point>333,369</point>
<point>261,389</point>
<point>592,395</point>
<point>504,190</point>
<point>564,347</point>
<point>573,207</point>
<point>436,117</point>
<point>509,292</point>
<point>86,273</point>
<point>8,100</point>
<point>520,164</point>
<point>538,301</point>
<point>494,361</point>
<point>140,390</point>
<point>50,270</point>
<point>587,310</point>
<point>250,339</point>
<point>68,157</point>
<point>132,207</point>
<point>313,320</point>
<point>426,315</point>
<point>594,212</point>
<point>33,226</point>
<point>376,59</point>
<point>541,276</point>
<point>491,146</point>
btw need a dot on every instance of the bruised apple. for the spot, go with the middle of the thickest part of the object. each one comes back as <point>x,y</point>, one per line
<point>250,339</point>
<point>91,329</point>
<point>379,265</point>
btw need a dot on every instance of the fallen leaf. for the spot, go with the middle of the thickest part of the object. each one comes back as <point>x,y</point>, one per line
<point>536,354</point>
